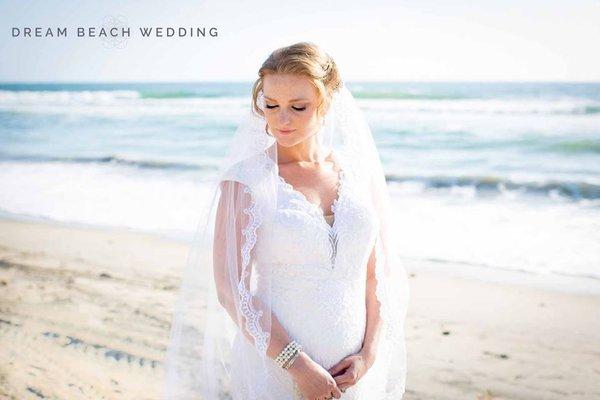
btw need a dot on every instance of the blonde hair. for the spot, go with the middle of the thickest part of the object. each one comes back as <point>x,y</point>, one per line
<point>303,58</point>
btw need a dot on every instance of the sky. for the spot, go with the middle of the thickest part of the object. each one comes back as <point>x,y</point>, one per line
<point>371,41</point>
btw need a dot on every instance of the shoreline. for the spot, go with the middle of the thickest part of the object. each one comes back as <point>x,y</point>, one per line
<point>85,314</point>
<point>555,282</point>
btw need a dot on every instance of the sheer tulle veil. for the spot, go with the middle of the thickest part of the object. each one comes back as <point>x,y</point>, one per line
<point>217,293</point>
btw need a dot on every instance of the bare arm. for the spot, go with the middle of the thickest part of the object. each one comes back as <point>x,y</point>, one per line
<point>374,321</point>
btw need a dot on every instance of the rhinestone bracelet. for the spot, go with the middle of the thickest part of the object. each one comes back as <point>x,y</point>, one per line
<point>287,353</point>
<point>289,363</point>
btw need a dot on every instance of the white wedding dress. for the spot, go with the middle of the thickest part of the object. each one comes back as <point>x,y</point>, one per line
<point>317,288</point>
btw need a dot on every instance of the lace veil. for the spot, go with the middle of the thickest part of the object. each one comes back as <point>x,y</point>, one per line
<point>217,296</point>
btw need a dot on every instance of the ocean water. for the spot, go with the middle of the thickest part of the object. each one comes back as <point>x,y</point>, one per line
<point>499,181</point>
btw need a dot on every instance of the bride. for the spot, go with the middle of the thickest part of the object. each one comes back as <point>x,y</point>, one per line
<point>293,288</point>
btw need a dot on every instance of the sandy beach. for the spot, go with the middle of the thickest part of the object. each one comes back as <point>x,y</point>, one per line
<point>85,313</point>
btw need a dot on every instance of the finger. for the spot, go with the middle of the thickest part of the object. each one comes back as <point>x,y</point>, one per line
<point>339,366</point>
<point>336,392</point>
<point>336,368</point>
<point>347,377</point>
<point>340,380</point>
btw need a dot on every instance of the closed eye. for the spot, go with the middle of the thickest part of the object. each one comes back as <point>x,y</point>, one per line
<point>295,108</point>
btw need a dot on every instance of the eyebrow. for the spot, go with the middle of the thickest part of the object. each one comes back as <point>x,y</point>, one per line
<point>268,98</point>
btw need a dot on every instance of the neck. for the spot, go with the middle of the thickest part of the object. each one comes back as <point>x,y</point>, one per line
<point>307,151</point>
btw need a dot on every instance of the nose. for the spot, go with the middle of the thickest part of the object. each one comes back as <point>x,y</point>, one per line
<point>283,117</point>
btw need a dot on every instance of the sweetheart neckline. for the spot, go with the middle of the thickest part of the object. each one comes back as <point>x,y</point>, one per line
<point>318,210</point>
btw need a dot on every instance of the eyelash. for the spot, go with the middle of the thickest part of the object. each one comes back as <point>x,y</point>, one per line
<point>297,109</point>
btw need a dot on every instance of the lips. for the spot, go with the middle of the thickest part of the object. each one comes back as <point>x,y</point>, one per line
<point>285,132</point>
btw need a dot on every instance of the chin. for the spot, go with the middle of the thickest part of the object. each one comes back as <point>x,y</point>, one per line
<point>287,141</point>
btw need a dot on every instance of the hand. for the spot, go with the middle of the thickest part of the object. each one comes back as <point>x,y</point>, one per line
<point>351,369</point>
<point>312,379</point>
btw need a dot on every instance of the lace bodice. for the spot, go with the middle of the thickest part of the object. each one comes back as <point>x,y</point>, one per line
<point>300,233</point>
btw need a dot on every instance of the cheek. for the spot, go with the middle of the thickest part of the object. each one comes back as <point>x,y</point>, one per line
<point>308,119</point>
<point>269,116</point>
<point>272,118</point>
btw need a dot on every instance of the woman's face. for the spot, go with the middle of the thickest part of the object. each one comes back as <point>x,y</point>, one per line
<point>290,108</point>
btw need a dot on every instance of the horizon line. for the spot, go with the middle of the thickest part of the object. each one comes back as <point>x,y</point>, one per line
<point>251,81</point>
